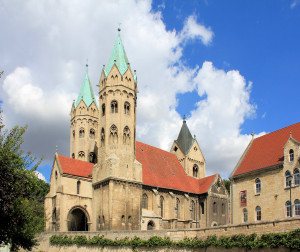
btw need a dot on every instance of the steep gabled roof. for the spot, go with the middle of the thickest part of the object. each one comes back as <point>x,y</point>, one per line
<point>185,139</point>
<point>118,57</point>
<point>75,167</point>
<point>267,150</point>
<point>162,169</point>
<point>86,93</point>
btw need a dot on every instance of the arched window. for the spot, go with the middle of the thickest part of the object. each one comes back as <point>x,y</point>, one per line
<point>92,133</point>
<point>78,186</point>
<point>161,206</point>
<point>258,213</point>
<point>288,209</point>
<point>81,155</point>
<point>177,208</point>
<point>245,215</point>
<point>129,220</point>
<point>291,155</point>
<point>215,207</point>
<point>126,135</point>
<point>297,207</point>
<point>103,109</point>
<point>123,219</point>
<point>150,225</point>
<point>296,177</point>
<point>287,178</point>
<point>102,137</point>
<point>93,158</point>
<point>114,107</point>
<point>126,108</point>
<point>81,132</point>
<point>73,155</point>
<point>193,210</point>
<point>145,201</point>
<point>257,186</point>
<point>113,134</point>
<point>202,207</point>
<point>103,219</point>
<point>195,170</point>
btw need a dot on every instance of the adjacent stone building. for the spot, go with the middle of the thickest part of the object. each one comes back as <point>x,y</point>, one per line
<point>112,182</point>
<point>265,182</point>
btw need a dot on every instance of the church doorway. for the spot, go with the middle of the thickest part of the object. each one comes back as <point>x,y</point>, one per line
<point>150,225</point>
<point>77,220</point>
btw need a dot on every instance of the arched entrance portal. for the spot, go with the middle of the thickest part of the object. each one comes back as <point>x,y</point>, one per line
<point>150,225</point>
<point>77,220</point>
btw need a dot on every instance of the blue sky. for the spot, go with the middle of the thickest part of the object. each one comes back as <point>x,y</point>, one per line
<point>233,67</point>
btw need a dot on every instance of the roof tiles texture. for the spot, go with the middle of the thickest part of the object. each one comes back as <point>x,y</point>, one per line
<point>160,169</point>
<point>267,150</point>
<point>75,167</point>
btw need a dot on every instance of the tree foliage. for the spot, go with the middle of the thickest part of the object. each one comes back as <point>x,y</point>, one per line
<point>21,192</point>
<point>227,184</point>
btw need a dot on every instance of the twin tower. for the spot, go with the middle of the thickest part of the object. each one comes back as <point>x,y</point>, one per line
<point>106,136</point>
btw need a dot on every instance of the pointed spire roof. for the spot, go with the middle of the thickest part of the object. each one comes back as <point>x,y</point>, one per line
<point>185,139</point>
<point>86,92</point>
<point>118,57</point>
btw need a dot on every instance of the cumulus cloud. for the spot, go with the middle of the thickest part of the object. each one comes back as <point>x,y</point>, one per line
<point>40,176</point>
<point>44,56</point>
<point>193,30</point>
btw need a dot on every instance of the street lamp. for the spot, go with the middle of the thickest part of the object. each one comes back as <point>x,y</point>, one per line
<point>290,179</point>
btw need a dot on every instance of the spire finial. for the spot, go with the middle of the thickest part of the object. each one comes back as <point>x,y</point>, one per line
<point>119,28</point>
<point>56,148</point>
<point>252,134</point>
<point>184,118</point>
<point>87,65</point>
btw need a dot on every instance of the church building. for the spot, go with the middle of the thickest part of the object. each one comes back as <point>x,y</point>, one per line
<point>113,182</point>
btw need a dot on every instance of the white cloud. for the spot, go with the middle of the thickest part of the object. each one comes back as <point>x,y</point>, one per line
<point>40,175</point>
<point>44,56</point>
<point>294,3</point>
<point>193,30</point>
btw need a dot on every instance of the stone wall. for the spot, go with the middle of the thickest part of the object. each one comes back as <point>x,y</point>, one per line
<point>260,228</point>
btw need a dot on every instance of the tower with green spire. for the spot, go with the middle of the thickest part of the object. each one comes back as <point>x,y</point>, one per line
<point>117,179</point>
<point>84,124</point>
<point>188,152</point>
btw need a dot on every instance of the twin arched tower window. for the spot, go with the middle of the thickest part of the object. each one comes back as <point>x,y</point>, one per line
<point>126,135</point>
<point>113,134</point>
<point>81,132</point>
<point>114,107</point>
<point>126,108</point>
<point>92,133</point>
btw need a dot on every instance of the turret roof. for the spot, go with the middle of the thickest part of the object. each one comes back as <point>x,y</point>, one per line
<point>118,57</point>
<point>185,139</point>
<point>86,93</point>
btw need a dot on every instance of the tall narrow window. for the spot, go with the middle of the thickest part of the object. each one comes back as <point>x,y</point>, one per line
<point>287,180</point>
<point>195,170</point>
<point>92,133</point>
<point>193,210</point>
<point>102,137</point>
<point>177,208</point>
<point>245,215</point>
<point>126,136</point>
<point>81,132</point>
<point>296,177</point>
<point>73,133</point>
<point>202,207</point>
<point>288,209</point>
<point>215,207</point>
<point>291,155</point>
<point>145,201</point>
<point>126,108</point>
<point>103,109</point>
<point>114,107</point>
<point>257,186</point>
<point>297,208</point>
<point>78,186</point>
<point>161,206</point>
<point>258,213</point>
<point>93,158</point>
<point>73,155</point>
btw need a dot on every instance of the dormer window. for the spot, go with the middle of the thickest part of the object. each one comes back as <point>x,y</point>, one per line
<point>114,107</point>
<point>291,155</point>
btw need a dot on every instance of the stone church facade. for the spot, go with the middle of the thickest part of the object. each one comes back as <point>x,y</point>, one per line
<point>113,182</point>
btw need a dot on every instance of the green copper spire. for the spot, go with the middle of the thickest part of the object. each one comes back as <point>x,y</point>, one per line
<point>185,139</point>
<point>86,92</point>
<point>118,57</point>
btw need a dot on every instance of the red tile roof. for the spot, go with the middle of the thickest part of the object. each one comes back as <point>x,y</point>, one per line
<point>75,167</point>
<point>162,169</point>
<point>267,150</point>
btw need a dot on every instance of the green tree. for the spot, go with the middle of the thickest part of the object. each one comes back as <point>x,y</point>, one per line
<point>21,192</point>
<point>227,184</point>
